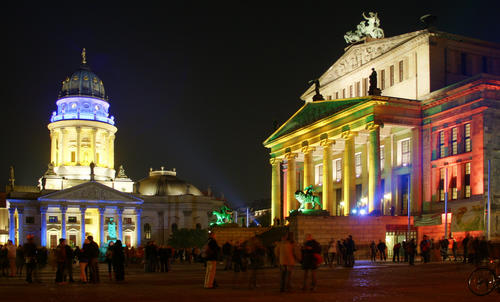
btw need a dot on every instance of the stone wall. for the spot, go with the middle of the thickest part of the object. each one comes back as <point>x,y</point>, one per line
<point>363,229</point>
<point>224,234</point>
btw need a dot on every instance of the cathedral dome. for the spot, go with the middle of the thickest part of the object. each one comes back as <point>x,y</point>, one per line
<point>165,183</point>
<point>83,82</point>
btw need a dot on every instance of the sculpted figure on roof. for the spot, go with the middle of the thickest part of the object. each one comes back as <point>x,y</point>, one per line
<point>369,28</point>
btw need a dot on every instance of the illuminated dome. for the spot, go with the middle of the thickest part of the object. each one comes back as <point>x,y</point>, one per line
<point>83,82</point>
<point>165,183</point>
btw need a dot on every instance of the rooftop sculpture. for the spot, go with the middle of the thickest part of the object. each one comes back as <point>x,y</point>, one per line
<point>369,28</point>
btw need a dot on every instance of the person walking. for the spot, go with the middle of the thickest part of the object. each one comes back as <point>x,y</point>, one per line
<point>118,260</point>
<point>211,251</point>
<point>311,259</point>
<point>425,249</point>
<point>286,256</point>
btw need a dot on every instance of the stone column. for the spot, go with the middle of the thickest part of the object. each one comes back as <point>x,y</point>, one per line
<point>308,168</point>
<point>161,227</point>
<point>78,143</point>
<point>111,151</point>
<point>82,223</point>
<point>102,240</point>
<point>43,225</point>
<point>327,176</point>
<point>275,190</point>
<point>63,221</point>
<point>138,226</point>
<point>94,149</point>
<point>416,172</point>
<point>119,212</point>
<point>373,167</point>
<point>12,225</point>
<point>53,147</point>
<point>20,224</point>
<point>61,147</point>
<point>349,182</point>
<point>291,182</point>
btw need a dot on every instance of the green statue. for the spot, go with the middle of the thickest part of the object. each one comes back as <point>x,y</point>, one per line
<point>306,197</point>
<point>224,216</point>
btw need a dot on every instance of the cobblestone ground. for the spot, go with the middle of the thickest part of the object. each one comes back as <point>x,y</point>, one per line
<point>365,282</point>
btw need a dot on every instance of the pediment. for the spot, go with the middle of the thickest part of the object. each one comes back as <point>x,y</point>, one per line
<point>90,191</point>
<point>358,55</point>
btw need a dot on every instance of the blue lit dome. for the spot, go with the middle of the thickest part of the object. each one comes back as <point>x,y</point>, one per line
<point>82,97</point>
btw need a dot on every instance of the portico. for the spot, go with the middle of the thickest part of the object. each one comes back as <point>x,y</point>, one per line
<point>351,150</point>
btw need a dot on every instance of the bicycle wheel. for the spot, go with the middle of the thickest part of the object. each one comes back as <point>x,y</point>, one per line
<point>481,281</point>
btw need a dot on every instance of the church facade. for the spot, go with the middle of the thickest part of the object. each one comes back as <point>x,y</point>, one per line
<point>82,194</point>
<point>424,141</point>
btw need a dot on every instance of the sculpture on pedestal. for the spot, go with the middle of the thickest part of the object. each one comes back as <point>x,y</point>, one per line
<point>223,217</point>
<point>369,28</point>
<point>307,197</point>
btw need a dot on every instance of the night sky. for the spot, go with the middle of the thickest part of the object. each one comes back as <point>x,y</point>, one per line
<point>194,87</point>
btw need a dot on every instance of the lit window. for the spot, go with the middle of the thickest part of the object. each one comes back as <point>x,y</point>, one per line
<point>127,220</point>
<point>357,161</point>
<point>52,219</point>
<point>441,184</point>
<point>318,174</point>
<point>467,190</point>
<point>147,231</point>
<point>343,93</point>
<point>382,79</point>
<point>73,156</point>
<point>442,150</point>
<point>391,75</point>
<point>454,141</point>
<point>468,147</point>
<point>336,95</point>
<point>401,71</point>
<point>405,152</point>
<point>338,169</point>
<point>72,219</point>
<point>453,184</point>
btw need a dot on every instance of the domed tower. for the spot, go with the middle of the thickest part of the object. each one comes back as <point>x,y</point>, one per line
<point>81,131</point>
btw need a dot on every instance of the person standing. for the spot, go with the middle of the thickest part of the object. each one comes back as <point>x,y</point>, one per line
<point>30,256</point>
<point>465,246</point>
<point>83,260</point>
<point>20,260</point>
<point>454,247</point>
<point>425,249</point>
<point>118,260</point>
<point>373,251</point>
<point>395,252</point>
<point>331,252</point>
<point>286,257</point>
<point>93,253</point>
<point>381,249</point>
<point>109,259</point>
<point>443,246</point>
<point>226,253</point>
<point>61,259</point>
<point>412,250</point>
<point>311,255</point>
<point>11,257</point>
<point>211,255</point>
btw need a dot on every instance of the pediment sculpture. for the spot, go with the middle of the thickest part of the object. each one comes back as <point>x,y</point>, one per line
<point>369,28</point>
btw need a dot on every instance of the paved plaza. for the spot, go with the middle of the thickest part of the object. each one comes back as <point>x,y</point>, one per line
<point>365,282</point>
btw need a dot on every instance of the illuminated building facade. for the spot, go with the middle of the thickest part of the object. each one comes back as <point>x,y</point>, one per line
<point>81,192</point>
<point>433,129</point>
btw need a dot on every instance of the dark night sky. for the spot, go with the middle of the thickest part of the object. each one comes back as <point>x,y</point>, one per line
<point>197,88</point>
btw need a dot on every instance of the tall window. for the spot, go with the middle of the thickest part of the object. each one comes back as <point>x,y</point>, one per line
<point>467,192</point>
<point>382,157</point>
<point>358,89</point>
<point>454,141</point>
<point>318,174</point>
<point>343,93</point>
<point>441,184</point>
<point>467,138</point>
<point>382,79</point>
<point>73,156</point>
<point>357,161</point>
<point>391,75</point>
<point>405,152</point>
<point>365,86</point>
<point>350,91</point>
<point>336,95</point>
<point>453,184</point>
<point>338,169</point>
<point>401,71</point>
<point>441,144</point>
<point>147,231</point>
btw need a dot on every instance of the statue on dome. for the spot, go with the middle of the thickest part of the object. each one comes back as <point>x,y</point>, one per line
<point>369,28</point>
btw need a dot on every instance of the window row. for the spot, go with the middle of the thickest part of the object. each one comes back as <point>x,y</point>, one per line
<point>453,182</point>
<point>454,141</point>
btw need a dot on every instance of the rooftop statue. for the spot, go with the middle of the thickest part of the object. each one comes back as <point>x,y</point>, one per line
<point>317,96</point>
<point>369,28</point>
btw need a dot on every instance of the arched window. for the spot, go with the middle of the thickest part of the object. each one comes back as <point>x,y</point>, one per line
<point>174,227</point>
<point>147,231</point>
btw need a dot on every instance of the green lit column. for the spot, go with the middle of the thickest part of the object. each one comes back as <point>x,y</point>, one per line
<point>349,181</point>
<point>275,190</point>
<point>308,168</point>
<point>374,167</point>
<point>327,176</point>
<point>291,182</point>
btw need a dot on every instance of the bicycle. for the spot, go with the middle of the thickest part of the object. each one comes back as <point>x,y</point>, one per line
<point>483,280</point>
